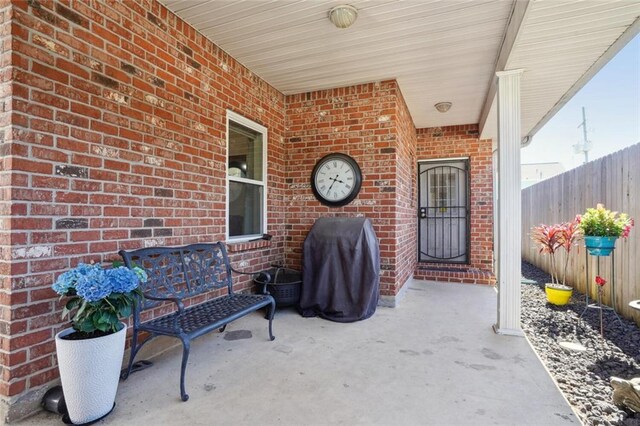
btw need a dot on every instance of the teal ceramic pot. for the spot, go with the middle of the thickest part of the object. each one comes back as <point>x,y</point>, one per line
<point>600,246</point>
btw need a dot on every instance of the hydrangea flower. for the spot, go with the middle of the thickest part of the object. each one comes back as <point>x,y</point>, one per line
<point>68,280</point>
<point>141,273</point>
<point>95,285</point>
<point>64,283</point>
<point>100,296</point>
<point>122,279</point>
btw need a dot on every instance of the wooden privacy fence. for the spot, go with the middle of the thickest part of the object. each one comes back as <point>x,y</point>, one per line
<point>614,181</point>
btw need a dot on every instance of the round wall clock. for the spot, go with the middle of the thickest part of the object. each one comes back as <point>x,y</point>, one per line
<point>336,180</point>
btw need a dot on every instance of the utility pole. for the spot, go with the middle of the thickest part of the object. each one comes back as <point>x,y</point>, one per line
<point>585,142</point>
<point>585,146</point>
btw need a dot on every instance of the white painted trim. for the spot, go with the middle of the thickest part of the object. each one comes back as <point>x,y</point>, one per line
<point>509,203</point>
<point>511,35</point>
<point>237,118</point>
<point>508,73</point>
<point>508,331</point>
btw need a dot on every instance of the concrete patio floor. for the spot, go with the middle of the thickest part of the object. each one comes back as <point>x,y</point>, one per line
<point>432,360</point>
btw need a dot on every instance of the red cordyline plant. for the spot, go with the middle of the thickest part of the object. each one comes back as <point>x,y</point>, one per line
<point>550,238</point>
<point>570,235</point>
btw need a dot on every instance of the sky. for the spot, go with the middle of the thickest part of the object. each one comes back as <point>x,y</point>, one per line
<point>612,105</point>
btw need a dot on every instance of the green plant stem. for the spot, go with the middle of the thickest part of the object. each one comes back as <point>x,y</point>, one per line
<point>600,306</point>
<point>564,272</point>
<point>109,303</point>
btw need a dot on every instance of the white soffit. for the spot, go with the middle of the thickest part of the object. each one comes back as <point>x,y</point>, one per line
<point>437,50</point>
<point>561,46</point>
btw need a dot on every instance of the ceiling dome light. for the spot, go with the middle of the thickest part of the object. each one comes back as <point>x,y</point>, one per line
<point>343,16</point>
<point>443,106</point>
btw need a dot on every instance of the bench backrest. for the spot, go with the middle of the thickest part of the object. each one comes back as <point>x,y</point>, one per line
<point>181,271</point>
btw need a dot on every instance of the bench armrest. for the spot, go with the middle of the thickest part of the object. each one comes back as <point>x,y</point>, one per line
<point>175,300</point>
<point>262,277</point>
<point>265,274</point>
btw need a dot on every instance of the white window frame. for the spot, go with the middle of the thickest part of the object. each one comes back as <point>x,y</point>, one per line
<point>237,118</point>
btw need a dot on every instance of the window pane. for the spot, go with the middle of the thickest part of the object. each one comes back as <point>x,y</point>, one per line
<point>245,152</point>
<point>245,209</point>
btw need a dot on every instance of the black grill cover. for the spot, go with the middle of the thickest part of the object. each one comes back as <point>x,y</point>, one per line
<point>341,270</point>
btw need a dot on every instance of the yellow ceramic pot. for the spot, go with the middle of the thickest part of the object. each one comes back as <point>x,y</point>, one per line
<point>558,294</point>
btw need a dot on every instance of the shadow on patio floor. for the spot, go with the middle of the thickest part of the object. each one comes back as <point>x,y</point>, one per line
<point>432,360</point>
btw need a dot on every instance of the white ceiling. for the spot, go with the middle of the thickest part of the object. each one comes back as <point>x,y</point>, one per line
<point>437,50</point>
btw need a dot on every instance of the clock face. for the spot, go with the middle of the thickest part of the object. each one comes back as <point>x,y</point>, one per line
<point>336,180</point>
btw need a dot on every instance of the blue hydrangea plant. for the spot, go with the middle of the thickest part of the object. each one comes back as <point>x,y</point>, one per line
<point>100,296</point>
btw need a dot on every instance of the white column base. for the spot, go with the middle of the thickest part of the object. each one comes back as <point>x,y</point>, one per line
<point>508,331</point>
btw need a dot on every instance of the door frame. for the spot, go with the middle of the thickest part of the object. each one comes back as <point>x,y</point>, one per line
<point>467,162</point>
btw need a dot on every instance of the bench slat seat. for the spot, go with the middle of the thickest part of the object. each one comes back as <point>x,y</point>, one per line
<point>179,273</point>
<point>204,317</point>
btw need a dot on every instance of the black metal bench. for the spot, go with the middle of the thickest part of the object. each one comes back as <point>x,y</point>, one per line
<point>177,273</point>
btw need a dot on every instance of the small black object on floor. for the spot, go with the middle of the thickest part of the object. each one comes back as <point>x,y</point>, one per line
<point>138,366</point>
<point>66,420</point>
<point>284,285</point>
<point>53,401</point>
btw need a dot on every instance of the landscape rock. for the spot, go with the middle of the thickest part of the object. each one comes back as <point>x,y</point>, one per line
<point>584,377</point>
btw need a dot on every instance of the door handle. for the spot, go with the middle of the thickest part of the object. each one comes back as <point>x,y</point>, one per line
<point>423,212</point>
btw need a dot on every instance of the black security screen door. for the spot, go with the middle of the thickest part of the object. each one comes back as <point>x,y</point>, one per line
<point>444,211</point>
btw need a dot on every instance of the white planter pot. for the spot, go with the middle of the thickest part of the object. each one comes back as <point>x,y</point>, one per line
<point>90,371</point>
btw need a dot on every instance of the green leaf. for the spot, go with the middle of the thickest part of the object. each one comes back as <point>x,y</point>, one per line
<point>71,304</point>
<point>113,318</point>
<point>80,310</point>
<point>85,325</point>
<point>125,311</point>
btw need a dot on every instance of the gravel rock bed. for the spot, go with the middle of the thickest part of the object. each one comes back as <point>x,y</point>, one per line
<point>583,377</point>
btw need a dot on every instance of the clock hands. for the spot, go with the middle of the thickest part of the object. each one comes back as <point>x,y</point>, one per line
<point>334,181</point>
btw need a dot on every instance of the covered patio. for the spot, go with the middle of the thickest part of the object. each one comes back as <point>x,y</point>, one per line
<point>432,360</point>
<point>144,123</point>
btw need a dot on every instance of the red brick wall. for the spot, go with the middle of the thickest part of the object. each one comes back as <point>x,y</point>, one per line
<point>6,298</point>
<point>456,142</point>
<point>406,195</point>
<point>360,121</point>
<point>114,137</point>
<point>118,142</point>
